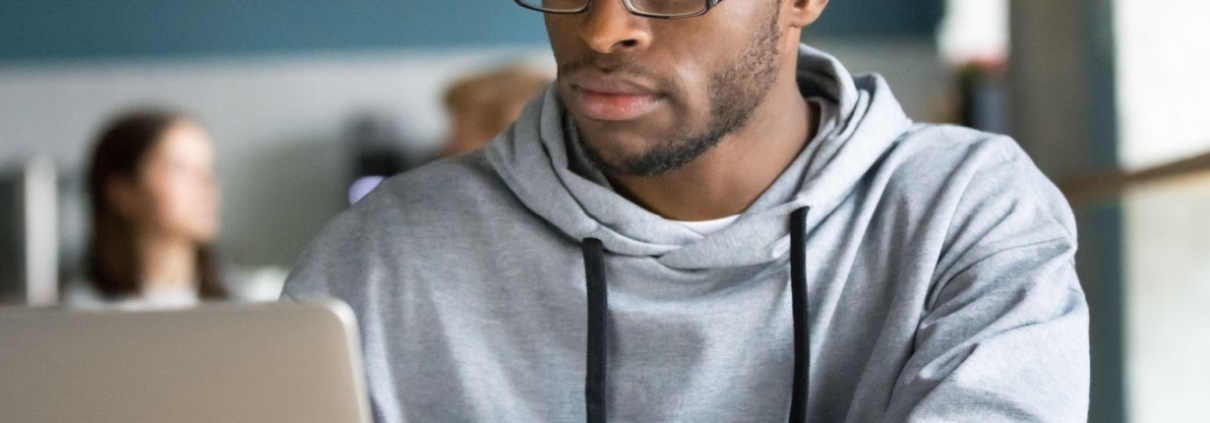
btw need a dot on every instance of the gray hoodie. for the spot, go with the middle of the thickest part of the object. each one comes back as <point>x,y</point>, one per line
<point>937,264</point>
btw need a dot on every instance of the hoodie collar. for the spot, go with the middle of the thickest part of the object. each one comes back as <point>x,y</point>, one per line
<point>541,163</point>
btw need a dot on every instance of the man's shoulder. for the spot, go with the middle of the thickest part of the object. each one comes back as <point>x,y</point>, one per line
<point>952,155</point>
<point>934,146</point>
<point>455,185</point>
<point>419,215</point>
<point>443,194</point>
<point>458,178</point>
<point>981,175</point>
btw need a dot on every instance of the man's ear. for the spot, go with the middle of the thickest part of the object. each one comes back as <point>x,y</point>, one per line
<point>801,13</point>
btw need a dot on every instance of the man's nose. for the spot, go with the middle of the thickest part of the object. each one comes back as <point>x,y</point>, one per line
<point>608,26</point>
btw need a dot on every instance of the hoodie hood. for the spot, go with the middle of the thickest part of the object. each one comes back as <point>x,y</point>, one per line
<point>538,159</point>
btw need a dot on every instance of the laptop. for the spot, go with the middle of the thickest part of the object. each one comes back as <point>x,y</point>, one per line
<point>264,363</point>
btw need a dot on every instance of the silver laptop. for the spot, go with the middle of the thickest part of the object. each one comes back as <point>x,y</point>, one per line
<point>215,363</point>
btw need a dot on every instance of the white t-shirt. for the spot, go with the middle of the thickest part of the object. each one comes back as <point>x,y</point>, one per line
<point>708,227</point>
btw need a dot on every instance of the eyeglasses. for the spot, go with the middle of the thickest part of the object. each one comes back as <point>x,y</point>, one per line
<point>660,9</point>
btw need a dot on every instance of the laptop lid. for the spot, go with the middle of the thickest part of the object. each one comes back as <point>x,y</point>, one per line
<point>296,362</point>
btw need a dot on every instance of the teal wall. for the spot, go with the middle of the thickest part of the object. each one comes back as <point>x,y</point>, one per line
<point>37,30</point>
<point>50,30</point>
<point>879,18</point>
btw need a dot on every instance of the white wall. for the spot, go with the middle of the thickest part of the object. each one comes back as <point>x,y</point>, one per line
<point>276,122</point>
<point>1163,57</point>
<point>974,30</point>
<point>1168,302</point>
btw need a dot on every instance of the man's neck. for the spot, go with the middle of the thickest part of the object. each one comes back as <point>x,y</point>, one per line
<point>726,180</point>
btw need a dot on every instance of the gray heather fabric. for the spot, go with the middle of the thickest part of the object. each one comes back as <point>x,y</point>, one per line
<point>940,265</point>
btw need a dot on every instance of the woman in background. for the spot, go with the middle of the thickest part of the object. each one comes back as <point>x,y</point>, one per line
<point>154,213</point>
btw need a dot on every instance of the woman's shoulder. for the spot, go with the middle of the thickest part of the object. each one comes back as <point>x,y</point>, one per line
<point>243,283</point>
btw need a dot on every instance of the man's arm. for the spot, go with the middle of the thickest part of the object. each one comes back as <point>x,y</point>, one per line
<point>1005,332</point>
<point>1006,341</point>
<point>344,263</point>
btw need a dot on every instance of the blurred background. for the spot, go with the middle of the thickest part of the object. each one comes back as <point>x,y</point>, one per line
<point>306,100</point>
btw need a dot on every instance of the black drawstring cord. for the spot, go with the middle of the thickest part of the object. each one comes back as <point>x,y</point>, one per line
<point>798,299</point>
<point>598,306</point>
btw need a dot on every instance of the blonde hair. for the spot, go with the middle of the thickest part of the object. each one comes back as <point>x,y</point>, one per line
<point>495,98</point>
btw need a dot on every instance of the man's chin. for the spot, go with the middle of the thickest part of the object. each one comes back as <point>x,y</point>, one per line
<point>626,150</point>
<point>612,159</point>
<point>619,142</point>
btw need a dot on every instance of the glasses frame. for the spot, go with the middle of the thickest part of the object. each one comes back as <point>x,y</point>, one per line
<point>629,7</point>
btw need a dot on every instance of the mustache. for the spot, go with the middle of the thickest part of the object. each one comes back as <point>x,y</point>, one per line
<point>612,64</point>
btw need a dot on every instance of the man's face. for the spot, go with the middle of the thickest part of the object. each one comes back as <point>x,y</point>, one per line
<point>651,95</point>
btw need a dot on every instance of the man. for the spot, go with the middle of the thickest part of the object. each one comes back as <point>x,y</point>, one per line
<point>703,221</point>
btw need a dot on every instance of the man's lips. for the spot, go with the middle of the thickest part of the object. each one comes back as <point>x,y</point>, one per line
<point>615,105</point>
<point>611,97</point>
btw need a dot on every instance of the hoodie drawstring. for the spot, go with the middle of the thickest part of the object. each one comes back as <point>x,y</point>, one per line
<point>598,307</point>
<point>798,297</point>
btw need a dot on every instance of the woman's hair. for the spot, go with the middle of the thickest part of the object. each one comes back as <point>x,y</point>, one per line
<point>114,265</point>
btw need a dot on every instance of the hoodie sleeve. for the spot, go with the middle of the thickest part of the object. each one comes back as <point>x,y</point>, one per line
<point>345,262</point>
<point>331,264</point>
<point>1004,337</point>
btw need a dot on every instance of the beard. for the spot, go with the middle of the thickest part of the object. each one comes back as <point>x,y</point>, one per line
<point>735,93</point>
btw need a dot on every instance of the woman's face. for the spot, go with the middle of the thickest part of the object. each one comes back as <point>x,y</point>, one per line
<point>180,197</point>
